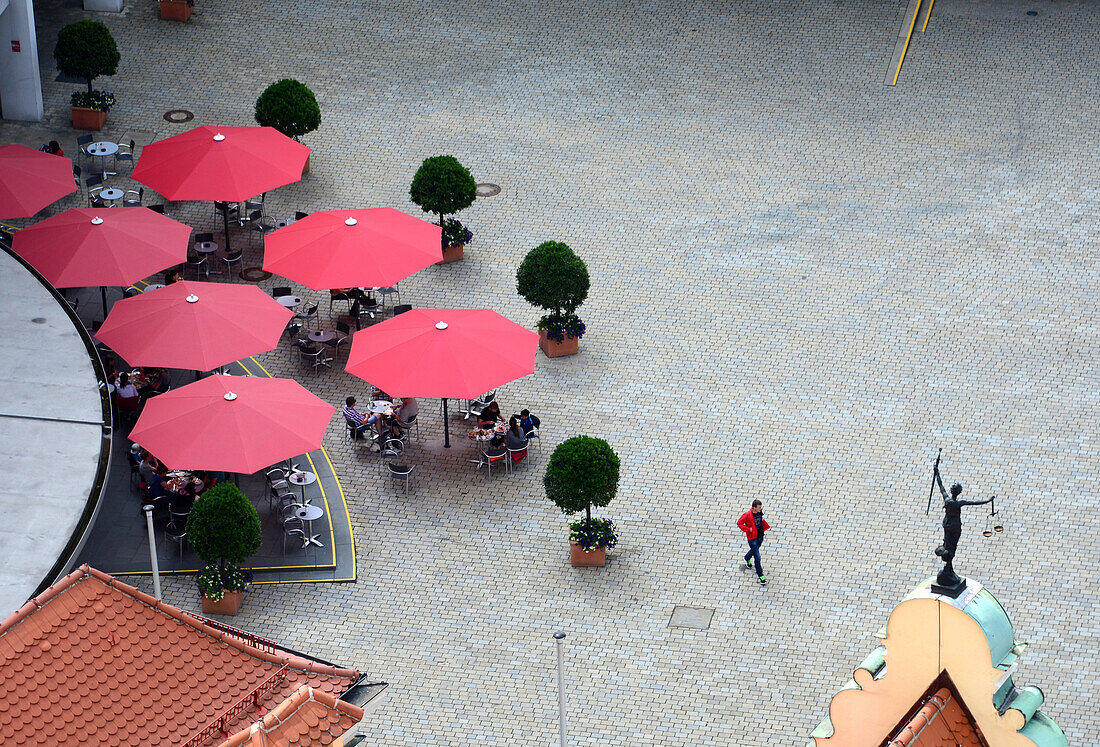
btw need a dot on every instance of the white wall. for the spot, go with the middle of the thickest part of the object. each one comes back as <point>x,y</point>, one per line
<point>20,84</point>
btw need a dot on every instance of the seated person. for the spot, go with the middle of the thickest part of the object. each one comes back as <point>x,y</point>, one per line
<point>377,395</point>
<point>155,382</point>
<point>53,147</point>
<point>126,394</point>
<point>495,447</point>
<point>147,467</point>
<point>408,409</point>
<point>182,502</point>
<point>172,276</point>
<point>527,421</point>
<point>490,416</point>
<point>358,420</point>
<point>156,484</point>
<point>513,437</point>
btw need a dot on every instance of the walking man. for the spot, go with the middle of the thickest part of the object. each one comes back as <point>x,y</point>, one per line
<point>753,524</point>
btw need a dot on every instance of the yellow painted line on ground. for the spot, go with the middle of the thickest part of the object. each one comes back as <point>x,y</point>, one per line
<point>253,359</point>
<point>347,515</point>
<point>912,24</point>
<point>927,16</point>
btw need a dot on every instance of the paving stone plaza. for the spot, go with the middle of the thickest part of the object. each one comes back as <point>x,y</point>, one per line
<point>804,282</point>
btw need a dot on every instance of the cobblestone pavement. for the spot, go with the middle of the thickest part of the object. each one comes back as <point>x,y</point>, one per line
<point>803,283</point>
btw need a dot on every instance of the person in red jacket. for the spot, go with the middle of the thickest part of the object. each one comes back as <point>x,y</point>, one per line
<point>752,523</point>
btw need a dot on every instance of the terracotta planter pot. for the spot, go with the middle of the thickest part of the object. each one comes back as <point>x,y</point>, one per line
<point>593,559</point>
<point>452,254</point>
<point>88,119</point>
<point>230,604</point>
<point>568,346</point>
<point>175,10</point>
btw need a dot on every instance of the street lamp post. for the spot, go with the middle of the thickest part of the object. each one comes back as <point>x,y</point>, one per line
<point>148,509</point>
<point>559,640</point>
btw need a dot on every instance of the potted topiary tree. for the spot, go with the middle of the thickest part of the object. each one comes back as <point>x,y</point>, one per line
<point>552,277</point>
<point>291,108</point>
<point>584,472</point>
<point>224,529</point>
<point>176,10</point>
<point>87,50</point>
<point>443,186</point>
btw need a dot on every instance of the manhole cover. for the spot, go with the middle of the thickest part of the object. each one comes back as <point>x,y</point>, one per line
<point>178,116</point>
<point>254,274</point>
<point>691,617</point>
<point>487,189</point>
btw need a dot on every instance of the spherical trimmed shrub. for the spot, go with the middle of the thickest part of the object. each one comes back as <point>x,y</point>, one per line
<point>223,526</point>
<point>290,107</point>
<point>443,186</point>
<point>86,50</point>
<point>582,472</point>
<point>554,278</point>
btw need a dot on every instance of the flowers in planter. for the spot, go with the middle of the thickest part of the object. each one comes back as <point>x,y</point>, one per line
<point>213,582</point>
<point>98,100</point>
<point>455,234</point>
<point>592,534</point>
<point>559,326</point>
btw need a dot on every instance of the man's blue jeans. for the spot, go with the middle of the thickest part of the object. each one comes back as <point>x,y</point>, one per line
<point>754,554</point>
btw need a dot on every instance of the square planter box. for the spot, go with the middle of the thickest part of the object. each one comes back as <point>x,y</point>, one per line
<point>568,346</point>
<point>230,604</point>
<point>88,119</point>
<point>175,10</point>
<point>593,559</point>
<point>452,254</point>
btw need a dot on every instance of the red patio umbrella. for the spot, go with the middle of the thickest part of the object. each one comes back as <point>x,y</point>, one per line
<point>103,246</point>
<point>232,423</point>
<point>221,163</point>
<point>443,353</point>
<point>199,326</point>
<point>30,180</point>
<point>374,247</point>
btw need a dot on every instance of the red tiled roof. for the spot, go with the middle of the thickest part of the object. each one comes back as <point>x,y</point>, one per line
<point>941,722</point>
<point>307,718</point>
<point>93,660</point>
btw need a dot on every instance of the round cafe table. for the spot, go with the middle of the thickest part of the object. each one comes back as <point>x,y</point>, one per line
<point>301,479</point>
<point>206,247</point>
<point>111,194</point>
<point>309,514</point>
<point>322,335</point>
<point>102,149</point>
<point>291,302</point>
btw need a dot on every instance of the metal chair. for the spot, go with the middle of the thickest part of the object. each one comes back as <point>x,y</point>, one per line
<point>316,355</point>
<point>334,297</point>
<point>410,424</point>
<point>125,156</point>
<point>232,258</point>
<point>307,316</point>
<point>202,238</point>
<point>76,175</point>
<point>197,262</point>
<point>490,459</point>
<point>513,462</point>
<point>477,406</point>
<point>257,223</point>
<point>128,201</point>
<point>532,435</point>
<point>293,527</point>
<point>176,532</point>
<point>401,472</point>
<point>386,292</point>
<point>281,291</point>
<point>343,337</point>
<point>230,209</point>
<point>401,308</point>
<point>369,309</point>
<point>82,144</point>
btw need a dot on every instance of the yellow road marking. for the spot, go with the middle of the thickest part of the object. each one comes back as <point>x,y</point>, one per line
<point>912,24</point>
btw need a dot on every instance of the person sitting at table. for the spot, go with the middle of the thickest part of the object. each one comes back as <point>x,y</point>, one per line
<point>377,395</point>
<point>360,422</point>
<point>126,394</point>
<point>147,467</point>
<point>527,421</point>
<point>172,276</point>
<point>53,147</point>
<point>183,501</point>
<point>408,409</point>
<point>156,483</point>
<point>490,416</point>
<point>155,381</point>
<point>513,437</point>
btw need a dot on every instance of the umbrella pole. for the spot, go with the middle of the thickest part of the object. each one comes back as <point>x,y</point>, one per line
<point>225,219</point>
<point>446,427</point>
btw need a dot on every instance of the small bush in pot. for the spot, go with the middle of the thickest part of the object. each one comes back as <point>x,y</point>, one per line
<point>224,529</point>
<point>86,50</point>
<point>443,186</point>
<point>584,472</point>
<point>554,278</point>
<point>290,107</point>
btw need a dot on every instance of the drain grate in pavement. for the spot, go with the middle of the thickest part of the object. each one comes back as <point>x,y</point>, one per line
<point>691,617</point>
<point>488,189</point>
<point>178,116</point>
<point>254,274</point>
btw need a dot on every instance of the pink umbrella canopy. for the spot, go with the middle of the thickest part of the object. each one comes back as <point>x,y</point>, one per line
<point>232,423</point>
<point>442,353</point>
<point>30,180</point>
<point>221,163</point>
<point>198,326</point>
<point>374,247</point>
<point>103,246</point>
